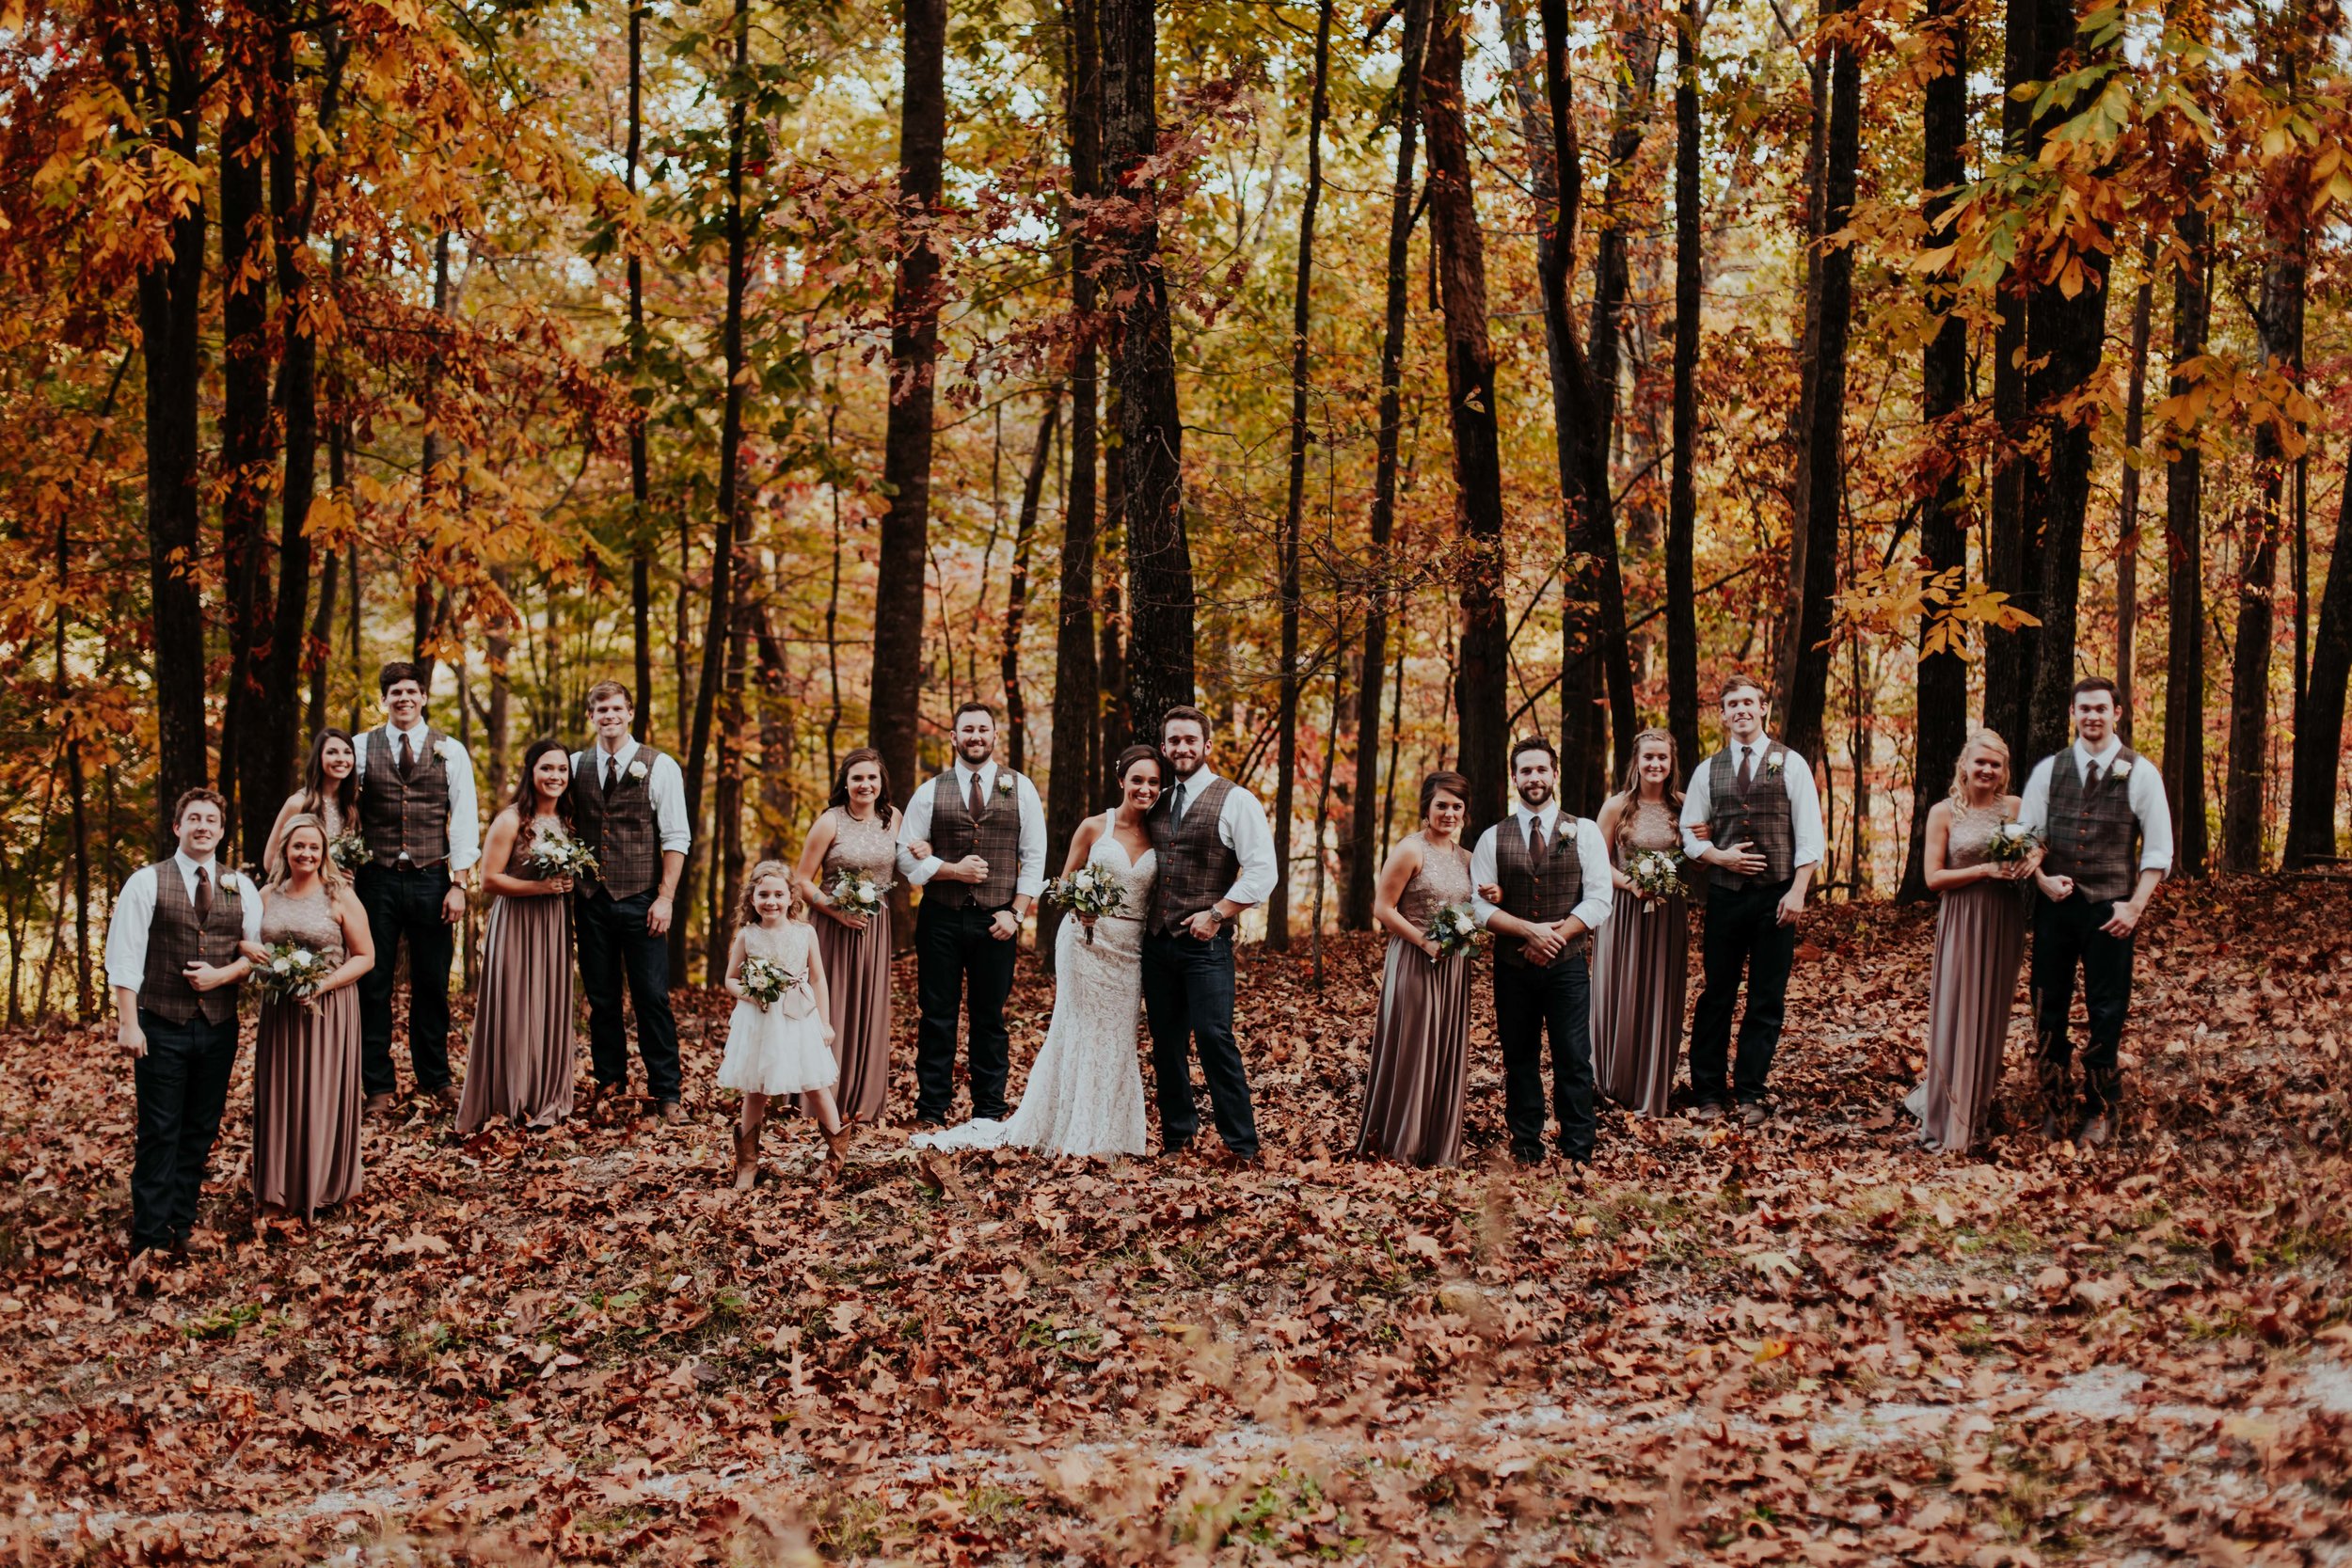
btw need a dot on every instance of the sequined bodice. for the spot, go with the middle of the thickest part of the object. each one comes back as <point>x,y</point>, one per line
<point>1654,826</point>
<point>1971,831</point>
<point>309,920</point>
<point>868,847</point>
<point>1443,878</point>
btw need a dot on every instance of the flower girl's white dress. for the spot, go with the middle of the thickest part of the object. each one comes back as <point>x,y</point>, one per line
<point>781,1050</point>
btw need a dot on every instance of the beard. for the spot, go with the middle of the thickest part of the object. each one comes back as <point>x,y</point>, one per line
<point>975,752</point>
<point>1535,796</point>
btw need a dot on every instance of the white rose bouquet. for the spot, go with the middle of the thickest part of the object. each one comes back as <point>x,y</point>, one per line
<point>349,851</point>
<point>1455,929</point>
<point>764,981</point>
<point>1091,890</point>
<point>1656,874</point>
<point>556,854</point>
<point>289,972</point>
<point>2010,842</point>
<point>854,892</point>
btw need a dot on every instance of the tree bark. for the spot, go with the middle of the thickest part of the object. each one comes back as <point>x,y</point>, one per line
<point>2183,767</point>
<point>2007,563</point>
<point>2127,521</point>
<point>1941,716</point>
<point>2279,325</point>
<point>247,445</point>
<point>1484,668</point>
<point>1682,636</point>
<point>1362,865</point>
<point>1017,586</point>
<point>895,701</point>
<point>1278,915</point>
<point>2319,733</point>
<point>640,479</point>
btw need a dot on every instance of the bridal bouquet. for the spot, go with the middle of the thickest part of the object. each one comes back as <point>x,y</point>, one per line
<point>1655,873</point>
<point>2011,842</point>
<point>764,980</point>
<point>557,853</point>
<point>1091,890</point>
<point>290,971</point>
<point>349,851</point>
<point>1453,928</point>
<point>854,892</point>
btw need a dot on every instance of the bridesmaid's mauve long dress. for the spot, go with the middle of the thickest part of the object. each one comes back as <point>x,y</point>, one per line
<point>857,968</point>
<point>1979,941</point>
<point>521,1063</point>
<point>306,1072</point>
<point>1413,1098</point>
<point>1641,972</point>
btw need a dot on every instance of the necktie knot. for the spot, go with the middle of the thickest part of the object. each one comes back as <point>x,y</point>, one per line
<point>976,802</point>
<point>408,758</point>
<point>203,896</point>
<point>1176,806</point>
<point>1535,838</point>
<point>612,771</point>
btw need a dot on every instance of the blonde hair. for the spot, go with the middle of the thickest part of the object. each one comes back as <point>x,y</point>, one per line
<point>747,914</point>
<point>1977,737</point>
<point>1631,790</point>
<point>329,873</point>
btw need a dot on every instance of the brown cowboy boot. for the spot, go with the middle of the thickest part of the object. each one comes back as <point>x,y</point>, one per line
<point>746,1159</point>
<point>2104,1093</point>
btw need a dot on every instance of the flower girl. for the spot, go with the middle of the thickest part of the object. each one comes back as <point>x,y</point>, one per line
<point>777,1039</point>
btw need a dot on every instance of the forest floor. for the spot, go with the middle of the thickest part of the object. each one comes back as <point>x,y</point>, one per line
<point>1808,1342</point>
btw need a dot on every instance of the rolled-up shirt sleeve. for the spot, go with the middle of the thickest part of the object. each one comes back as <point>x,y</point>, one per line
<point>667,788</point>
<point>2155,813</point>
<point>1030,883</point>
<point>1483,874</point>
<point>1697,803</point>
<point>126,930</point>
<point>1804,812</point>
<point>1241,828</point>
<point>2033,806</point>
<point>465,818</point>
<point>914,827</point>
<point>1601,894</point>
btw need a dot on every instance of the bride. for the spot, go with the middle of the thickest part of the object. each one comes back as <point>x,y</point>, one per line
<point>1085,1094</point>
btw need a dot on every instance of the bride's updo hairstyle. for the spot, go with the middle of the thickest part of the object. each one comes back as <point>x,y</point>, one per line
<point>1133,754</point>
<point>1451,783</point>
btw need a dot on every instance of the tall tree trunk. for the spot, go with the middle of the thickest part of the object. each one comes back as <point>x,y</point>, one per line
<point>1017,586</point>
<point>895,704</point>
<point>2279,325</point>
<point>1362,864</point>
<point>640,480</point>
<point>1682,636</point>
<point>1802,698</point>
<point>726,803</point>
<point>247,445</point>
<point>2319,732</point>
<point>778,807</point>
<point>1485,670</point>
<point>1941,709</point>
<point>2008,563</point>
<point>730,522</point>
<point>2127,520</point>
<point>427,607</point>
<point>2183,503</point>
<point>1119,723</point>
<point>1278,915</point>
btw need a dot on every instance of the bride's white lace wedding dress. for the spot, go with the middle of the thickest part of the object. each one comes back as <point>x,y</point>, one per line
<point>1084,1093</point>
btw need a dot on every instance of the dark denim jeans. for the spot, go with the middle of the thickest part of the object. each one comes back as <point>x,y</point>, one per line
<point>1741,935</point>
<point>1188,998</point>
<point>615,947</point>
<point>183,1087</point>
<point>2065,935</point>
<point>1530,1005</point>
<point>406,905</point>
<point>960,966</point>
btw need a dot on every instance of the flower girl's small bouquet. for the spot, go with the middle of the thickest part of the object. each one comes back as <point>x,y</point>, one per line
<point>557,853</point>
<point>1091,890</point>
<point>349,851</point>
<point>2010,842</point>
<point>854,892</point>
<point>764,981</point>
<point>290,971</point>
<point>1453,928</point>
<point>1656,874</point>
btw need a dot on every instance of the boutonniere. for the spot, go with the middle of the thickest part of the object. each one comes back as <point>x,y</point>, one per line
<point>637,771</point>
<point>1772,766</point>
<point>446,750</point>
<point>1003,784</point>
<point>230,883</point>
<point>2121,765</point>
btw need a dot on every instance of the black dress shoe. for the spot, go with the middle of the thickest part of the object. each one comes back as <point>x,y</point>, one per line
<point>2098,1129</point>
<point>1527,1154</point>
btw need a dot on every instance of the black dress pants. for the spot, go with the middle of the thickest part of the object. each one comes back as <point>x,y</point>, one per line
<point>1742,936</point>
<point>1188,1001</point>
<point>960,966</point>
<point>404,903</point>
<point>615,947</point>
<point>1531,1002</point>
<point>2064,935</point>
<point>182,1087</point>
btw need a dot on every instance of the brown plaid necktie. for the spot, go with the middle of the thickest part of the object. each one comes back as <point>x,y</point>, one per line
<point>203,896</point>
<point>976,803</point>
<point>1747,763</point>
<point>407,759</point>
<point>1535,841</point>
<point>612,771</point>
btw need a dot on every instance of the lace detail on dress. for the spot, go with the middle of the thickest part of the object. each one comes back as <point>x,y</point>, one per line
<point>868,847</point>
<point>1443,878</point>
<point>1972,829</point>
<point>309,920</point>
<point>1654,826</point>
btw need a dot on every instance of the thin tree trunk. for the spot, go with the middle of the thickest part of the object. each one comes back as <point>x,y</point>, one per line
<point>1480,682</point>
<point>894,699</point>
<point>777,733</point>
<point>1330,749</point>
<point>1278,915</point>
<point>1682,636</point>
<point>2319,733</point>
<point>1120,724</point>
<point>727,806</point>
<point>426,610</point>
<point>248,449</point>
<point>640,479</point>
<point>1941,709</point>
<point>2008,563</point>
<point>2183,767</point>
<point>1017,586</point>
<point>2279,325</point>
<point>1362,867</point>
<point>2127,522</point>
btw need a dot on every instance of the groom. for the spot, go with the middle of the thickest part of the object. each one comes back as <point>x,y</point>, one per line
<point>1215,858</point>
<point>986,832</point>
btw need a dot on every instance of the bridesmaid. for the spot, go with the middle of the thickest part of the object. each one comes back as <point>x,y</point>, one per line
<point>306,1062</point>
<point>1413,1101</point>
<point>1979,939</point>
<point>331,792</point>
<point>520,1064</point>
<point>858,830</point>
<point>1641,966</point>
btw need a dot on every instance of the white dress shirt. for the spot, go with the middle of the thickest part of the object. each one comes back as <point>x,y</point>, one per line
<point>135,913</point>
<point>1241,827</point>
<point>464,823</point>
<point>665,787</point>
<point>1591,851</point>
<point>914,824</point>
<point>2146,796</point>
<point>1805,799</point>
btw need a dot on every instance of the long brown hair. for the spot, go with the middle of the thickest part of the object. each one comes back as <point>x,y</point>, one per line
<point>883,804</point>
<point>526,799</point>
<point>1631,790</point>
<point>344,791</point>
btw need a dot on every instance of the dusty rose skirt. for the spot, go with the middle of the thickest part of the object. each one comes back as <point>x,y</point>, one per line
<point>857,989</point>
<point>306,1103</point>
<point>1413,1100</point>
<point>521,1061</point>
<point>1972,987</point>
<point>1641,971</point>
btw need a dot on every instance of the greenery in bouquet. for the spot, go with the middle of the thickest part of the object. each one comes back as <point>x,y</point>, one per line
<point>1655,874</point>
<point>290,971</point>
<point>854,892</point>
<point>349,851</point>
<point>1091,890</point>
<point>1453,928</point>
<point>556,854</point>
<point>764,981</point>
<point>2010,842</point>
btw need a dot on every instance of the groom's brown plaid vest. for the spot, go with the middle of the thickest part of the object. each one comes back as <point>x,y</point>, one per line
<point>1545,894</point>
<point>1759,816</point>
<point>175,939</point>
<point>2093,835</point>
<point>996,838</point>
<point>619,824</point>
<point>1196,868</point>
<point>404,817</point>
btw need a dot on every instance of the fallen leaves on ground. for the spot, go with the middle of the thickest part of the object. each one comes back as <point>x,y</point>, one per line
<point>1805,1343</point>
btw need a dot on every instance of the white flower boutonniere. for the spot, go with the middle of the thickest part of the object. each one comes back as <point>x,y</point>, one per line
<point>1003,784</point>
<point>2123,766</point>
<point>1772,766</point>
<point>230,883</point>
<point>637,771</point>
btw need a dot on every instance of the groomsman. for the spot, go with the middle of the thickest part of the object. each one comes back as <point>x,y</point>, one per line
<point>172,959</point>
<point>1551,871</point>
<point>1214,857</point>
<point>631,803</point>
<point>982,831</point>
<point>1758,800</point>
<point>418,817</point>
<point>2090,802</point>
